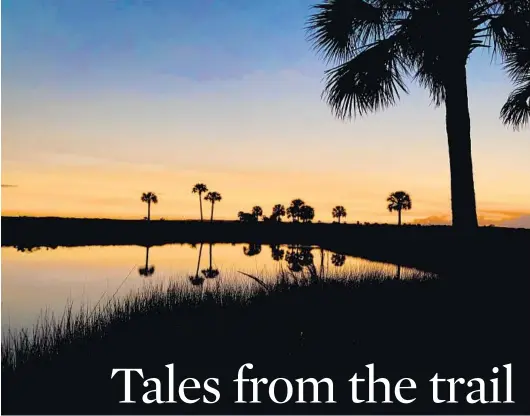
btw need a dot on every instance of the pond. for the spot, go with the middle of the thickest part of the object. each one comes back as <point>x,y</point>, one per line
<point>45,280</point>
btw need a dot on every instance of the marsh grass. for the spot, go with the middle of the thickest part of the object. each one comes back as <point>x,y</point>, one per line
<point>295,325</point>
<point>50,334</point>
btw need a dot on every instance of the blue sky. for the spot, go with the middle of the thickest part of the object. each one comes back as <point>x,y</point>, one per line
<point>216,89</point>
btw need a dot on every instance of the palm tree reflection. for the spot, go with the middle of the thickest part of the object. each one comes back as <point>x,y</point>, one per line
<point>147,270</point>
<point>338,260</point>
<point>277,252</point>
<point>197,280</point>
<point>253,249</point>
<point>210,272</point>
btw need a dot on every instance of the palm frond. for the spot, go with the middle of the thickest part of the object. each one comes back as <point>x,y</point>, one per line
<point>516,110</point>
<point>370,81</point>
<point>340,27</point>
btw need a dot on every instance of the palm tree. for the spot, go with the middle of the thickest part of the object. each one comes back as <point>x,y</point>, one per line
<point>278,211</point>
<point>213,197</point>
<point>257,212</point>
<point>307,213</point>
<point>294,209</point>
<point>398,201</point>
<point>200,188</point>
<point>377,43</point>
<point>338,212</point>
<point>149,197</point>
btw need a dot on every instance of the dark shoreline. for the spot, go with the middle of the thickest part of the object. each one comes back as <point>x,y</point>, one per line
<point>432,248</point>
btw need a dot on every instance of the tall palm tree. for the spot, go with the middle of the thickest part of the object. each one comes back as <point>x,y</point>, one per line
<point>376,44</point>
<point>149,197</point>
<point>339,212</point>
<point>200,188</point>
<point>213,197</point>
<point>398,201</point>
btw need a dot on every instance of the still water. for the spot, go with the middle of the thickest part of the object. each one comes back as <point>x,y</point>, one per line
<point>46,280</point>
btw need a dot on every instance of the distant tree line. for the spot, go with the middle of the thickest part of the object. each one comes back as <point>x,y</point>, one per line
<point>297,212</point>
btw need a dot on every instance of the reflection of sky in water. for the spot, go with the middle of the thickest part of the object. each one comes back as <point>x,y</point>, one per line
<point>47,279</point>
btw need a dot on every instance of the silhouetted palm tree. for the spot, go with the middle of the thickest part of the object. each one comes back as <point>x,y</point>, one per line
<point>149,197</point>
<point>213,197</point>
<point>257,212</point>
<point>200,188</point>
<point>295,209</point>
<point>339,212</point>
<point>398,201</point>
<point>307,213</point>
<point>197,280</point>
<point>146,270</point>
<point>377,43</point>
<point>246,217</point>
<point>278,211</point>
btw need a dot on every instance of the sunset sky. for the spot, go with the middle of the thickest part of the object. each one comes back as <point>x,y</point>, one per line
<point>105,99</point>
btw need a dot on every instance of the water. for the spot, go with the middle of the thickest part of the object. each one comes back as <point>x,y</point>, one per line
<point>45,280</point>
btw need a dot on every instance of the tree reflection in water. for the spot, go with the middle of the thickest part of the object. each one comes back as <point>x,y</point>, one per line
<point>147,270</point>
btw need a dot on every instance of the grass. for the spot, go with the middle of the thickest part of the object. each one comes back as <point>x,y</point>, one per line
<point>328,326</point>
<point>50,333</point>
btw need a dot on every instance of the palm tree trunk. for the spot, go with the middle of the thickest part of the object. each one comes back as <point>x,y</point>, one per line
<point>458,128</point>
<point>211,216</point>
<point>210,256</point>
<point>399,217</point>
<point>339,219</point>
<point>148,210</point>
<point>146,258</point>
<point>200,204</point>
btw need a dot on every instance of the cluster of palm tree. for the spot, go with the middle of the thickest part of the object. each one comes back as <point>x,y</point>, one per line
<point>377,44</point>
<point>298,211</point>
<point>211,197</point>
<point>252,216</point>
